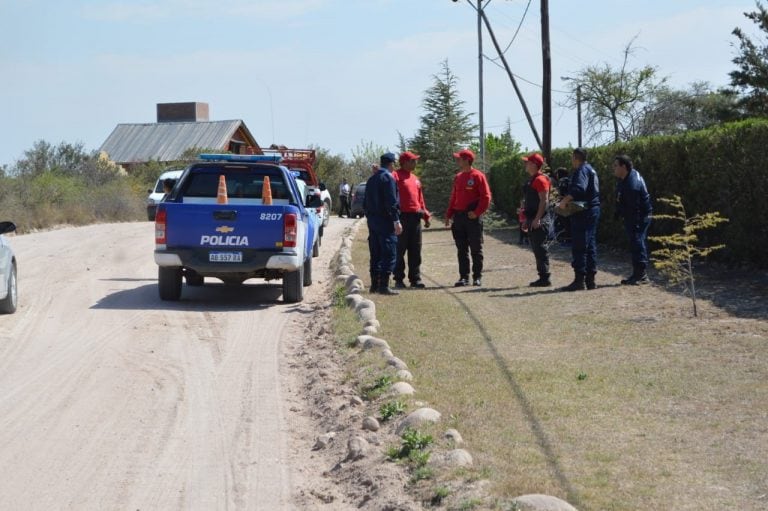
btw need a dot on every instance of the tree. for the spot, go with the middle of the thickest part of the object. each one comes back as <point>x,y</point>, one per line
<point>672,111</point>
<point>614,98</point>
<point>445,127</point>
<point>330,169</point>
<point>499,146</point>
<point>365,154</point>
<point>751,76</point>
<point>65,159</point>
<point>674,259</point>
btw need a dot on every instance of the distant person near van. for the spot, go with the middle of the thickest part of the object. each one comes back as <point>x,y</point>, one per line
<point>345,192</point>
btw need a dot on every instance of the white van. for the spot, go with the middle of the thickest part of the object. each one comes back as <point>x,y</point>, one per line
<point>156,195</point>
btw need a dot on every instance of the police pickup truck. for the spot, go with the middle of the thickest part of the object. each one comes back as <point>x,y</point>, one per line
<point>235,217</point>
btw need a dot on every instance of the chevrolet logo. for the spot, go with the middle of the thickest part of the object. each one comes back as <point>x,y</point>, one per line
<point>225,229</point>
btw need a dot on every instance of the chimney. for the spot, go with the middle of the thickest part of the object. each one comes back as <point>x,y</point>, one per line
<point>182,112</point>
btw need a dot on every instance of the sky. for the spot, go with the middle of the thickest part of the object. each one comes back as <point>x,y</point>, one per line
<point>337,74</point>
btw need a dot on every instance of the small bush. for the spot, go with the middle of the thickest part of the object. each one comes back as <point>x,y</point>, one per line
<point>375,389</point>
<point>391,409</point>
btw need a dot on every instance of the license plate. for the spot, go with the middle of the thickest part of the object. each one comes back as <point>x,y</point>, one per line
<point>225,257</point>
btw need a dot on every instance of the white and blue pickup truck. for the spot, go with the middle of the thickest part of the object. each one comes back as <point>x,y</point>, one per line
<point>221,221</point>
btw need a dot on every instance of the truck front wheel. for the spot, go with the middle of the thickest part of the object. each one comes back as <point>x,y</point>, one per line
<point>169,283</point>
<point>293,286</point>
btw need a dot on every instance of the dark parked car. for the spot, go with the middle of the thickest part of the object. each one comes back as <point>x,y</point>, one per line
<point>356,209</point>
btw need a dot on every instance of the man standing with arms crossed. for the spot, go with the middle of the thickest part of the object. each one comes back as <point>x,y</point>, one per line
<point>583,189</point>
<point>470,198</point>
<point>383,216</point>
<point>412,210</point>
<point>633,203</point>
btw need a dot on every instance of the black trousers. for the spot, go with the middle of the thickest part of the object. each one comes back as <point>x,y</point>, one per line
<point>540,248</point>
<point>409,241</point>
<point>344,200</point>
<point>468,237</point>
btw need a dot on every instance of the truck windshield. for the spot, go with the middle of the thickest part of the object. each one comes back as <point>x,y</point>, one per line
<point>242,182</point>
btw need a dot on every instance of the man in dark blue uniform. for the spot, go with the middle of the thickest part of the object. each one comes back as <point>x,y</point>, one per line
<point>382,212</point>
<point>584,190</point>
<point>633,203</point>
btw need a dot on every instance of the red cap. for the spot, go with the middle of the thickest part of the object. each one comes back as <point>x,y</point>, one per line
<point>465,154</point>
<point>535,158</point>
<point>408,156</point>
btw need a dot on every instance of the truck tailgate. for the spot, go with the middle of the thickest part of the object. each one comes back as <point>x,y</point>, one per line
<point>226,226</point>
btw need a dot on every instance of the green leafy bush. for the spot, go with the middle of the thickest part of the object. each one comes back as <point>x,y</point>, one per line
<point>718,169</point>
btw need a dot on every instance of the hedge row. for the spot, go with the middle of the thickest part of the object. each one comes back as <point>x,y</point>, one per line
<point>723,169</point>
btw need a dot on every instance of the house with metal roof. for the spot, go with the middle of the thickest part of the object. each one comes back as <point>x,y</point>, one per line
<point>179,128</point>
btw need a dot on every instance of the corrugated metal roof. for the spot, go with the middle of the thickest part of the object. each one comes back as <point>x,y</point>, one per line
<point>166,141</point>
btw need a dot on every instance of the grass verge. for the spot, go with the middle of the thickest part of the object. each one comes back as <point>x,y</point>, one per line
<point>613,399</point>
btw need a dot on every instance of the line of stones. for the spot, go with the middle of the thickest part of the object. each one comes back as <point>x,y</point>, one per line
<point>367,340</point>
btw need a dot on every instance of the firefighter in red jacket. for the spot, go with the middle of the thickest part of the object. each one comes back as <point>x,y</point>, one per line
<point>470,198</point>
<point>412,210</point>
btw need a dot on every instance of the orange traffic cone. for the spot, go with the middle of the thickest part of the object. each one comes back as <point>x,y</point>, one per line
<point>221,196</point>
<point>266,192</point>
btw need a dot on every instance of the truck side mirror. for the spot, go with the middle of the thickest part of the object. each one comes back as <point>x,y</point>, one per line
<point>322,186</point>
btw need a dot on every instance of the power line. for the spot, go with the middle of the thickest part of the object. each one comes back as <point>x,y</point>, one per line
<point>524,79</point>
<point>514,36</point>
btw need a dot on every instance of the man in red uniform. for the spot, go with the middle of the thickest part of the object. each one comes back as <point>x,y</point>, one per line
<point>412,210</point>
<point>470,198</point>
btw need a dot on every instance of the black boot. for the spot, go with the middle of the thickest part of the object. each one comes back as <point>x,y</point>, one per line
<point>638,277</point>
<point>589,280</point>
<point>384,288</point>
<point>577,284</point>
<point>542,282</point>
<point>374,283</point>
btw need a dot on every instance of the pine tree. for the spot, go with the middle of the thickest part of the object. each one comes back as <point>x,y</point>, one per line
<point>445,128</point>
<point>751,77</point>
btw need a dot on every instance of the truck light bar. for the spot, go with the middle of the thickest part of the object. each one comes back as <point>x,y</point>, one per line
<point>258,158</point>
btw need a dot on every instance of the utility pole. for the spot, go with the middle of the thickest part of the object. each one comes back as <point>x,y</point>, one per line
<point>578,103</point>
<point>480,80</point>
<point>578,109</point>
<point>546,92</point>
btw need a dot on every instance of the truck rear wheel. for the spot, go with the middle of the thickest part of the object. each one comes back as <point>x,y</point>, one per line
<point>293,286</point>
<point>169,283</point>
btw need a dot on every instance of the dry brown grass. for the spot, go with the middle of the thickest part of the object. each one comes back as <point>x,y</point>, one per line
<point>613,399</point>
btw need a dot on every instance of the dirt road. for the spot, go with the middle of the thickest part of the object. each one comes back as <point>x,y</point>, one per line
<point>113,399</point>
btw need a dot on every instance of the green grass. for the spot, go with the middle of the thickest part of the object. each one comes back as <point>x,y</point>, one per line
<point>613,399</point>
